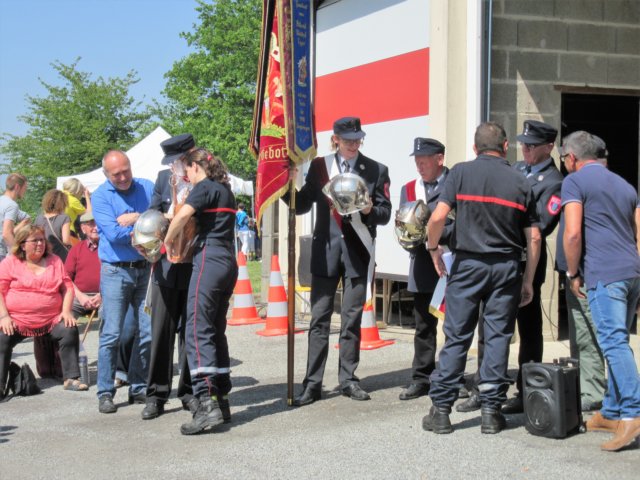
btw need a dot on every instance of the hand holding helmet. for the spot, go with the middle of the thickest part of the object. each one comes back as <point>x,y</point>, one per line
<point>148,234</point>
<point>348,193</point>
<point>411,224</point>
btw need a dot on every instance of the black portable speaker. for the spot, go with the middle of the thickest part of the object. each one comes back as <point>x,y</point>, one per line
<point>552,398</point>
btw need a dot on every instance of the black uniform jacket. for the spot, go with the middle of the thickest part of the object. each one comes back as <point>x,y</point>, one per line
<point>335,251</point>
<point>546,185</point>
<point>165,273</point>
<point>422,274</point>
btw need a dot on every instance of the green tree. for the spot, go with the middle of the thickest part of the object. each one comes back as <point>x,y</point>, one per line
<point>210,92</point>
<point>72,127</point>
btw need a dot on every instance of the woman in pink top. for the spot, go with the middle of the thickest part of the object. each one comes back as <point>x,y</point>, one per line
<point>36,298</point>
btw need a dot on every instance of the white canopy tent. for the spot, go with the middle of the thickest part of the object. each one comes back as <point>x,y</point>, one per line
<point>146,157</point>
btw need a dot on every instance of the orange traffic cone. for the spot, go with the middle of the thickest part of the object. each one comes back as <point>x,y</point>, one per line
<point>369,335</point>
<point>244,308</point>
<point>277,315</point>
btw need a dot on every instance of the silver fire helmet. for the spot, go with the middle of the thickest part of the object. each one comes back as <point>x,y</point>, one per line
<point>348,192</point>
<point>148,234</point>
<point>411,224</point>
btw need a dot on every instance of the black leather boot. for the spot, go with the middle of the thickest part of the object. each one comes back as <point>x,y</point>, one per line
<point>492,420</point>
<point>225,408</point>
<point>438,420</point>
<point>208,415</point>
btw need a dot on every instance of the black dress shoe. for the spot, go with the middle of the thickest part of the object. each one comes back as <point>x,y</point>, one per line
<point>152,410</point>
<point>414,390</point>
<point>354,392</point>
<point>463,393</point>
<point>437,421</point>
<point>138,398</point>
<point>471,404</point>
<point>307,397</point>
<point>106,405</point>
<point>492,421</point>
<point>513,405</point>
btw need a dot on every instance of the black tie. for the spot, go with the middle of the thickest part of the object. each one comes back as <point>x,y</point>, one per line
<point>345,166</point>
<point>527,170</point>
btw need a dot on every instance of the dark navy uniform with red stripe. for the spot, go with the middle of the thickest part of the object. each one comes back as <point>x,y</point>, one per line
<point>494,205</point>
<point>214,276</point>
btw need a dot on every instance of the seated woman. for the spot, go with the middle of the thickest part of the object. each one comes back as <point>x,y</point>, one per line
<point>36,297</point>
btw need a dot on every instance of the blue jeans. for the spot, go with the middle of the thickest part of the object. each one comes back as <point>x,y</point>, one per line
<point>613,307</point>
<point>120,288</point>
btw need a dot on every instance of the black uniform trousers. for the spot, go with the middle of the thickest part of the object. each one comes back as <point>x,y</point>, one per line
<point>529,320</point>
<point>495,281</point>
<point>424,340</point>
<point>168,317</point>
<point>214,276</point>
<point>323,291</point>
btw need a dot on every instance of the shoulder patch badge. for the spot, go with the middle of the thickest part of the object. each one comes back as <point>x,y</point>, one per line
<point>386,191</point>
<point>554,205</point>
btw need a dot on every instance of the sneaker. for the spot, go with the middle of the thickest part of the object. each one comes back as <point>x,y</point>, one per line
<point>106,405</point>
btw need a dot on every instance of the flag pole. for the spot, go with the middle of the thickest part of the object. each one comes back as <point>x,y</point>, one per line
<point>291,289</point>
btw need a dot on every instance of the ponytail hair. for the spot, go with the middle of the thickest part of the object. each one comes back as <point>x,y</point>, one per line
<point>213,167</point>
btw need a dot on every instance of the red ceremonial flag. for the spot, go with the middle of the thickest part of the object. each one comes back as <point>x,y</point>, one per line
<point>273,162</point>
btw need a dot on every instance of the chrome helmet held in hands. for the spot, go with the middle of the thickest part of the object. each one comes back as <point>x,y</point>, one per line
<point>348,192</point>
<point>411,224</point>
<point>148,234</point>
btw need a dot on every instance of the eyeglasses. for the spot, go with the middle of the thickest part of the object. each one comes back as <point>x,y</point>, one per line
<point>351,143</point>
<point>562,157</point>
<point>35,240</point>
<point>531,146</point>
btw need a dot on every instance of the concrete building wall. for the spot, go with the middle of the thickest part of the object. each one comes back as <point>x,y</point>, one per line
<point>544,47</point>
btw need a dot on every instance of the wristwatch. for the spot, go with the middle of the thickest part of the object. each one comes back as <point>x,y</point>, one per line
<point>571,277</point>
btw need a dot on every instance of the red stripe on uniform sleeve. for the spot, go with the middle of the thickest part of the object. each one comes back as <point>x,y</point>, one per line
<point>496,200</point>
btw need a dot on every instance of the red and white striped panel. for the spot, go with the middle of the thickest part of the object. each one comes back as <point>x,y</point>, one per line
<point>372,61</point>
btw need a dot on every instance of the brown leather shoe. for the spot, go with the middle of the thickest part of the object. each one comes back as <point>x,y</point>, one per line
<point>597,423</point>
<point>627,432</point>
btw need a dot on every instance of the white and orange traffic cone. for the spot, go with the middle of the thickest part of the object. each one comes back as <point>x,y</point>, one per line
<point>369,335</point>
<point>277,313</point>
<point>244,308</point>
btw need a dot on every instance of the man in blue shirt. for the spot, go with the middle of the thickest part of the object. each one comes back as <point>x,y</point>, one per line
<point>124,275</point>
<point>599,208</point>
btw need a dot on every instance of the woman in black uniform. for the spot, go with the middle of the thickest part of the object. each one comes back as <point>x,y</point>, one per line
<point>214,276</point>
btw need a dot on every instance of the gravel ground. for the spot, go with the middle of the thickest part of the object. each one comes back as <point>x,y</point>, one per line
<point>60,434</point>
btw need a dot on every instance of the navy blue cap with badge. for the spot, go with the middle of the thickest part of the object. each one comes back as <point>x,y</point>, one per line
<point>175,147</point>
<point>348,128</point>
<point>427,146</point>
<point>537,133</point>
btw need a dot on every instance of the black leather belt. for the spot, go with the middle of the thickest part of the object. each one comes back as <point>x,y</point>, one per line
<point>136,264</point>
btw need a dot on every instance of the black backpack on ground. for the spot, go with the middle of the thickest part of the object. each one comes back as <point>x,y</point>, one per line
<point>20,381</point>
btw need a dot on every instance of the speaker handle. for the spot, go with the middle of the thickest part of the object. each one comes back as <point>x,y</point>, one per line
<point>567,361</point>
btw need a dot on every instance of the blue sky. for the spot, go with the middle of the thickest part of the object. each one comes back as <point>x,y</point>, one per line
<point>112,37</point>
